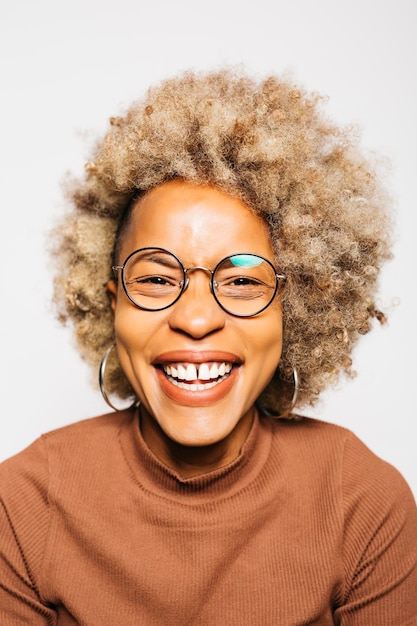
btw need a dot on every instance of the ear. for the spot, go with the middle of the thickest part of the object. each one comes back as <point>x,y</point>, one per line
<point>112,291</point>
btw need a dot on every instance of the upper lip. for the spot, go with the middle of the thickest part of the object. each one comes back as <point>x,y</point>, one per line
<point>191,356</point>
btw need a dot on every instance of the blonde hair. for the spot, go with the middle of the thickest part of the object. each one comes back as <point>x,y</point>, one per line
<point>268,143</point>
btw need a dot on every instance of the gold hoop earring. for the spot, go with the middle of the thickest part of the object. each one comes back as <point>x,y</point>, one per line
<point>101,377</point>
<point>292,404</point>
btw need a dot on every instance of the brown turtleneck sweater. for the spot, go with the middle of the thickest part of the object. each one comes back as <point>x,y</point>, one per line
<point>306,526</point>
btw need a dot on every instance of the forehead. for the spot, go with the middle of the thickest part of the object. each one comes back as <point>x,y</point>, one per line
<point>200,224</point>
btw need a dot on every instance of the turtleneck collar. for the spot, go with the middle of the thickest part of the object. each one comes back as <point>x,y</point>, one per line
<point>156,477</point>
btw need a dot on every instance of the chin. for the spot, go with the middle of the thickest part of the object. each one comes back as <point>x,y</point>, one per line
<point>197,434</point>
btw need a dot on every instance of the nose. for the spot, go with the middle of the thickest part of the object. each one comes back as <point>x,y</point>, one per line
<point>197,313</point>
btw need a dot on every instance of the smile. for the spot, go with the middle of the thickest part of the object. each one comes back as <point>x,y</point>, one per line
<point>197,377</point>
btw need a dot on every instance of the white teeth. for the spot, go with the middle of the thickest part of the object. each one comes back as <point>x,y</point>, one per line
<point>194,386</point>
<point>214,371</point>
<point>181,372</point>
<point>204,372</point>
<point>191,372</point>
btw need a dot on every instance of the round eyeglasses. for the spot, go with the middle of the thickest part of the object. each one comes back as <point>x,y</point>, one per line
<point>242,284</point>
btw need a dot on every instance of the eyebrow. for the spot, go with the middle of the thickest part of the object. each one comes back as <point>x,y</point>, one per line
<point>161,259</point>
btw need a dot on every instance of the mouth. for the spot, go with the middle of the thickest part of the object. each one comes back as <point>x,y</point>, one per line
<point>197,376</point>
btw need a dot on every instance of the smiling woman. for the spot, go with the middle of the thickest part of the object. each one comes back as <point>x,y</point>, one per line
<point>225,246</point>
<point>195,328</point>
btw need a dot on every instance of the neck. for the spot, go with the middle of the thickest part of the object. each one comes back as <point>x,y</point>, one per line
<point>190,461</point>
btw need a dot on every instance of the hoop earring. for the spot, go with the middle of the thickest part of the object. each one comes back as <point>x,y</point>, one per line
<point>101,375</point>
<point>294,398</point>
<point>293,402</point>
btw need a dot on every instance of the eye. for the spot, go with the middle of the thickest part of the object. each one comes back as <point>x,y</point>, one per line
<point>152,286</point>
<point>153,279</point>
<point>243,281</point>
<point>241,287</point>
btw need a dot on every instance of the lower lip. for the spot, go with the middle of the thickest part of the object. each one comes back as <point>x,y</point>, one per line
<point>196,398</point>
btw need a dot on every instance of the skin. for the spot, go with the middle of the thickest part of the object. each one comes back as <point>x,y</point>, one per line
<point>194,432</point>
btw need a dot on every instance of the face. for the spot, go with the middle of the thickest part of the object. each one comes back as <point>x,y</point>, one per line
<point>201,225</point>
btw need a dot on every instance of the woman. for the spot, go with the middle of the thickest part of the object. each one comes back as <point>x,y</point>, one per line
<point>222,253</point>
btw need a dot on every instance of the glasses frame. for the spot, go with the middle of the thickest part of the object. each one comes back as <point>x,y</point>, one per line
<point>186,279</point>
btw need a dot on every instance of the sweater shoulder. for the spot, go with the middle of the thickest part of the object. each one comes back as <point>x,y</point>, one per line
<point>32,468</point>
<point>322,447</point>
<point>93,427</point>
<point>369,498</point>
<point>311,440</point>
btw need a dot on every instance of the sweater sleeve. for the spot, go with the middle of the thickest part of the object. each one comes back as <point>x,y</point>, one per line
<point>24,520</point>
<point>380,543</point>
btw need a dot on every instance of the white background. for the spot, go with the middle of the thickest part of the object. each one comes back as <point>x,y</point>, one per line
<point>66,66</point>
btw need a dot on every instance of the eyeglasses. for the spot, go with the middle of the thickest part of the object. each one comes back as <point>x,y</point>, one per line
<point>242,284</point>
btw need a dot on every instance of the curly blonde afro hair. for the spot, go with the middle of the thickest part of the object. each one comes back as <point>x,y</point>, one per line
<point>268,143</point>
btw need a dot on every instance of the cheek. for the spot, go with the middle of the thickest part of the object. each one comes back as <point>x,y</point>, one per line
<point>269,331</point>
<point>264,341</point>
<point>271,351</point>
<point>132,328</point>
<point>125,325</point>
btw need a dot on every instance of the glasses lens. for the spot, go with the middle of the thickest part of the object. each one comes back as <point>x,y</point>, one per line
<point>245,284</point>
<point>153,278</point>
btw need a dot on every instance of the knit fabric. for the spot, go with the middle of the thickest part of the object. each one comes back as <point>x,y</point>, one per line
<point>306,526</point>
